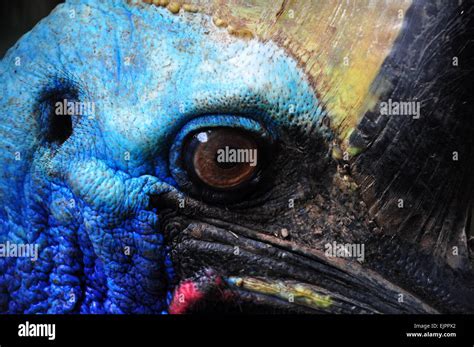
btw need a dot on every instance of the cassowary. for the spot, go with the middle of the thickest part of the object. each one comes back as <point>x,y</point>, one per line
<point>208,156</point>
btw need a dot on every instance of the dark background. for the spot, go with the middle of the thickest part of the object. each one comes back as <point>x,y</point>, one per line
<point>17,17</point>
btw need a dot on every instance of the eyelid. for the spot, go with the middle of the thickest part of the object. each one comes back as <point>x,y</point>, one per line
<point>229,121</point>
<point>177,157</point>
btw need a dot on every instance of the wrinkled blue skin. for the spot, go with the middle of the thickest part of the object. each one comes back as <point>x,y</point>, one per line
<point>149,73</point>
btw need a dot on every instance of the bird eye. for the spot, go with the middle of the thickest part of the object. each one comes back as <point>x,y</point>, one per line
<point>221,158</point>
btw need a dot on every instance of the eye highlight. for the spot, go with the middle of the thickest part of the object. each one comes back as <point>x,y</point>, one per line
<point>221,158</point>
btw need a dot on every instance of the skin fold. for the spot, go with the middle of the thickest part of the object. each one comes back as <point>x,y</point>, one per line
<point>122,227</point>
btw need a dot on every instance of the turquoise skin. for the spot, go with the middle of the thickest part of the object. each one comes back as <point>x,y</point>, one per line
<point>85,201</point>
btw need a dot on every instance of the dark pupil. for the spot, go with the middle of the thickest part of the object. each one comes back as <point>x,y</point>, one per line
<point>223,158</point>
<point>225,165</point>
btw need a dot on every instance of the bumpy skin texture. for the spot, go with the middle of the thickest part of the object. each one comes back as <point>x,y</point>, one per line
<point>86,200</point>
<point>123,228</point>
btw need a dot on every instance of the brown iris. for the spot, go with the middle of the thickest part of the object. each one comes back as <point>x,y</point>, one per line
<point>224,158</point>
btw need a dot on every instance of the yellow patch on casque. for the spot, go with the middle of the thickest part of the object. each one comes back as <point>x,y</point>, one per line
<point>341,44</point>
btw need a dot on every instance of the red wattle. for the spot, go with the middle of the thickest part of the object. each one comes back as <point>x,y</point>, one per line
<point>185,296</point>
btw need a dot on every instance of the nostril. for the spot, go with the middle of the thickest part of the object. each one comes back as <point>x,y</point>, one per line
<point>60,128</point>
<point>56,126</point>
<point>54,116</point>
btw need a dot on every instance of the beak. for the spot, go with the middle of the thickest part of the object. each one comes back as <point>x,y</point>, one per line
<point>271,271</point>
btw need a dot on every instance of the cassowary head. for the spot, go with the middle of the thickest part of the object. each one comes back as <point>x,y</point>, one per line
<point>295,156</point>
